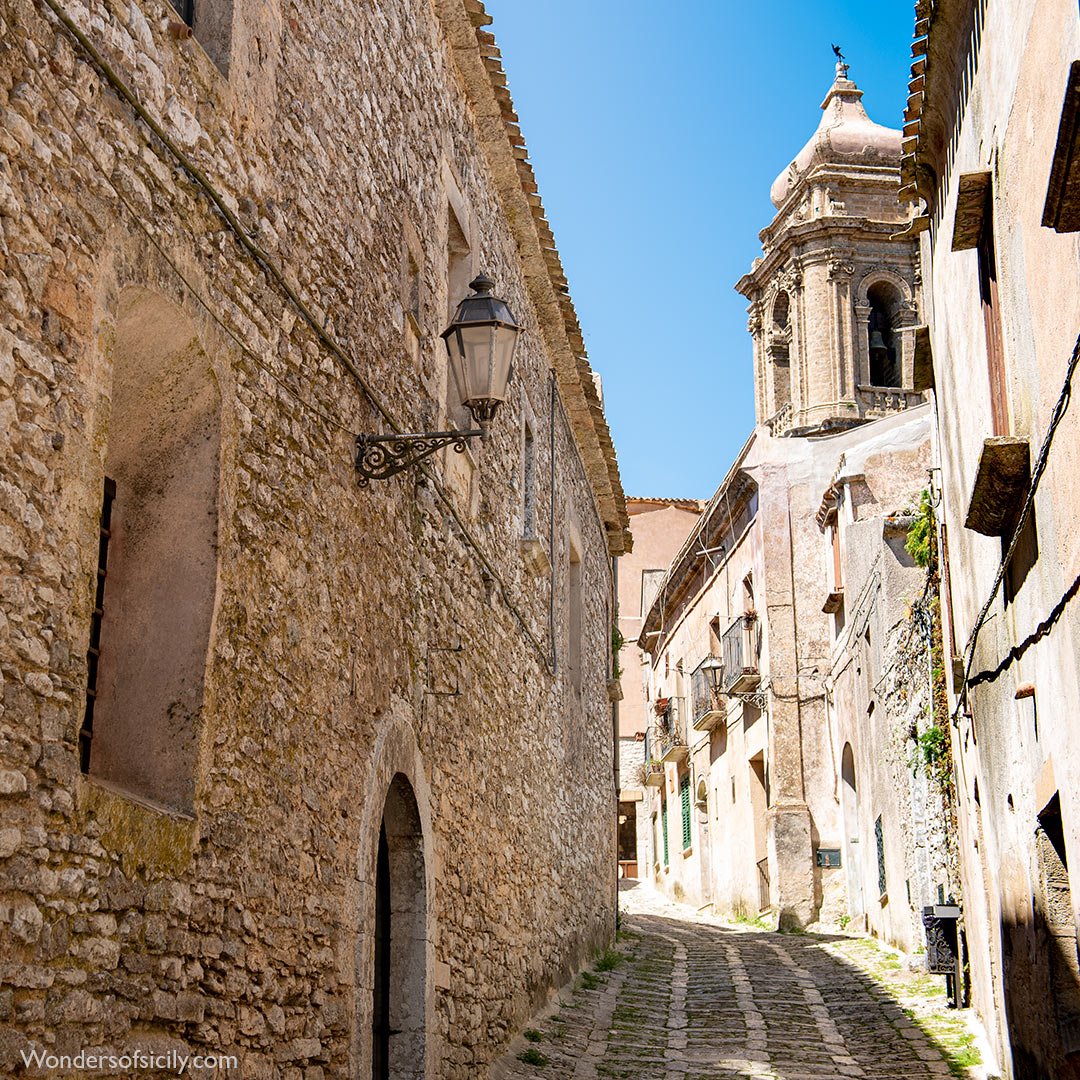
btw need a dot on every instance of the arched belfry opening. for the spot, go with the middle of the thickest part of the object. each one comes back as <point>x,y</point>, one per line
<point>156,577</point>
<point>883,338</point>
<point>399,984</point>
<point>780,350</point>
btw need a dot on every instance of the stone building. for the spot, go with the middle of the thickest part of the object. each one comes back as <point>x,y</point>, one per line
<point>757,703</point>
<point>276,747</point>
<point>659,527</point>
<point>991,161</point>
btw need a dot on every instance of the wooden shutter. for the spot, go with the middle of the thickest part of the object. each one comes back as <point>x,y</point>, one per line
<point>684,795</point>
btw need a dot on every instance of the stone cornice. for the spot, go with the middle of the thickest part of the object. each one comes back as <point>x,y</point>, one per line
<point>722,510</point>
<point>792,245</point>
<point>478,60</point>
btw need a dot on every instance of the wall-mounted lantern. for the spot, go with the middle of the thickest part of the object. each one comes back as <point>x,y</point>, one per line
<point>480,343</point>
<point>712,667</point>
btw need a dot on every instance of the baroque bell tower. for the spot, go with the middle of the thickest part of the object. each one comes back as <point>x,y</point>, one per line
<point>834,295</point>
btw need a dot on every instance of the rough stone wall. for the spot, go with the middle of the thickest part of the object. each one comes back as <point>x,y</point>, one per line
<point>245,927</point>
<point>883,707</point>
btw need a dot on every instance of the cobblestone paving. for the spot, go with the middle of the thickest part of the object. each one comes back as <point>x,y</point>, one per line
<point>698,999</point>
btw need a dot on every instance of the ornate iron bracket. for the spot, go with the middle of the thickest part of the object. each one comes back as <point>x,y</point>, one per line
<point>378,457</point>
<point>759,699</point>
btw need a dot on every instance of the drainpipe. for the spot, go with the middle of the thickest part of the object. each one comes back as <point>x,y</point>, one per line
<point>615,734</point>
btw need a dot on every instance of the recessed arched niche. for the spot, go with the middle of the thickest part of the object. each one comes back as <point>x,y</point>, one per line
<point>157,564</point>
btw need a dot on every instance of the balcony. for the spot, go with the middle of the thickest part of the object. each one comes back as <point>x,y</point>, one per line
<point>669,731</point>
<point>705,683</point>
<point>742,649</point>
<point>780,422</point>
<point>653,769</point>
<point>876,401</point>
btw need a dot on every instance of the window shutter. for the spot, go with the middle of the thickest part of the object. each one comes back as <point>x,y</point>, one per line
<point>879,836</point>
<point>663,827</point>
<point>684,794</point>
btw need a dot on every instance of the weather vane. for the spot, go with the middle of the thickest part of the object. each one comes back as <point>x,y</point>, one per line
<point>839,54</point>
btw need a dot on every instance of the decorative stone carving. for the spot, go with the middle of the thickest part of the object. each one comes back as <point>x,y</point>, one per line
<point>791,278</point>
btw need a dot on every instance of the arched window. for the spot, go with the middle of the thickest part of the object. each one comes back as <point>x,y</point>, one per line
<point>781,311</point>
<point>883,340</point>
<point>780,350</point>
<point>157,563</point>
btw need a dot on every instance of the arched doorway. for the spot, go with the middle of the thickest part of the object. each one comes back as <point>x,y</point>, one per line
<point>399,984</point>
<point>850,803</point>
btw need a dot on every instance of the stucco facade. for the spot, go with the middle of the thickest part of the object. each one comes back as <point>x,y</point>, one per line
<point>748,778</point>
<point>990,168</point>
<point>659,527</point>
<point>325,716</point>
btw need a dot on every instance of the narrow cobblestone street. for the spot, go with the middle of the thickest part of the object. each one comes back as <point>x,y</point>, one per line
<point>699,999</point>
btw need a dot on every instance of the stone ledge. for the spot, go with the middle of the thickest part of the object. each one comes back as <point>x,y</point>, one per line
<point>1001,482</point>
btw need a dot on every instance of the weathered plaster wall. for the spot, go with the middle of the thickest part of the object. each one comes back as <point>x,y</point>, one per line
<point>245,926</point>
<point>1012,754</point>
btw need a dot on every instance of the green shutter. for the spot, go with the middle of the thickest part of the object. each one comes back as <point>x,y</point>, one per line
<point>684,794</point>
<point>663,829</point>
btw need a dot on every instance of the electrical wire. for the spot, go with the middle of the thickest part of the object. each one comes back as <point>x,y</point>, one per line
<point>195,294</point>
<point>1060,408</point>
<point>264,262</point>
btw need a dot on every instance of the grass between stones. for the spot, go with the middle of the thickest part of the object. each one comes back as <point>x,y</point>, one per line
<point>921,996</point>
<point>532,1056</point>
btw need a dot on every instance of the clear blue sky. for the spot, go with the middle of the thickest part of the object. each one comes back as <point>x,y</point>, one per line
<point>656,131</point>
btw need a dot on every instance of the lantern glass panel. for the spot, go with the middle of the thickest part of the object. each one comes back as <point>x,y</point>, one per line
<point>471,349</point>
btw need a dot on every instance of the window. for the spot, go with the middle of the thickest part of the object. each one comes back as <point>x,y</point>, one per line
<point>974,228</point>
<point>186,10</point>
<point>663,826</point>
<point>780,350</point>
<point>988,294</point>
<point>573,620</point>
<point>1054,904</point>
<point>86,732</point>
<point>684,797</point>
<point>528,484</point>
<point>650,585</point>
<point>828,857</point>
<point>879,838</point>
<point>156,565</point>
<point>458,275</point>
<point>1062,209</point>
<point>838,566</point>
<point>411,299</point>
<point>211,20</point>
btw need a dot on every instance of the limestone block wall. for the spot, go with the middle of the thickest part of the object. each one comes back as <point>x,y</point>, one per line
<point>352,635</point>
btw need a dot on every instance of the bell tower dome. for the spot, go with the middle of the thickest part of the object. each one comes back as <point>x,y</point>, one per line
<point>834,295</point>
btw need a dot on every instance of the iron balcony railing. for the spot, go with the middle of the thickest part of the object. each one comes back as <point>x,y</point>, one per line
<point>741,647</point>
<point>669,729</point>
<point>653,767</point>
<point>706,703</point>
